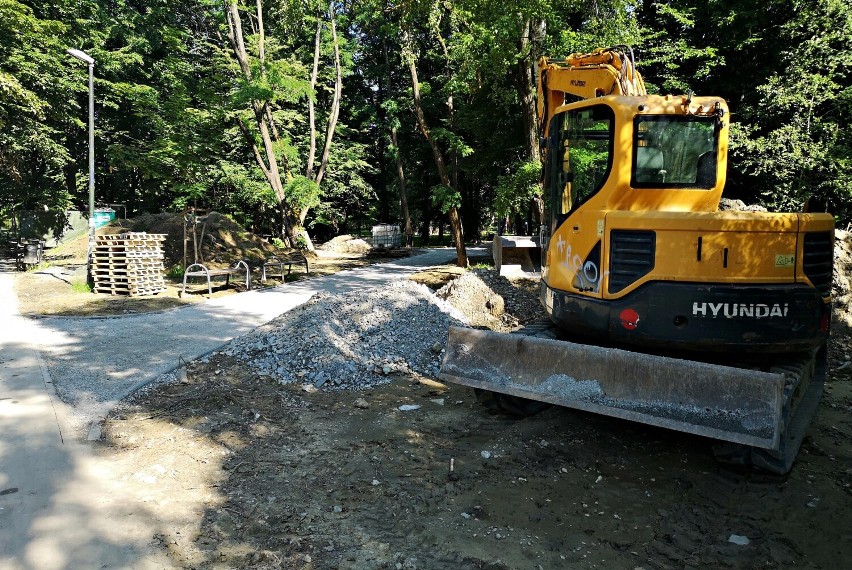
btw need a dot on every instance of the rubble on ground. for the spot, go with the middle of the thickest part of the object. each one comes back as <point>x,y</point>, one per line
<point>361,339</point>
<point>481,305</point>
<point>841,289</point>
<point>490,301</point>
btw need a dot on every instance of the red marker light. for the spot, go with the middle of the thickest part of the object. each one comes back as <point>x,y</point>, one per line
<point>629,319</point>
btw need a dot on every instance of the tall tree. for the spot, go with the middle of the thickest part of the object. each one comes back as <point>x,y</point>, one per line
<point>36,109</point>
<point>448,194</point>
<point>260,90</point>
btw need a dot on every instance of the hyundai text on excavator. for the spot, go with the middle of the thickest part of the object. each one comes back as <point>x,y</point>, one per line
<point>662,309</point>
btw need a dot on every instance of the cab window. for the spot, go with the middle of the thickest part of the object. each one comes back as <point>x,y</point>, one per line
<point>583,156</point>
<point>674,152</point>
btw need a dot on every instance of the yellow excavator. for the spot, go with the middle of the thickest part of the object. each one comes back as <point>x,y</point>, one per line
<point>662,309</point>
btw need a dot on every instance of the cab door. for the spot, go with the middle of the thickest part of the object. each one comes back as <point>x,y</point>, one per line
<point>579,163</point>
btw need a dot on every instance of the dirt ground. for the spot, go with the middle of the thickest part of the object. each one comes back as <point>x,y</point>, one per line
<point>254,474</point>
<point>239,472</point>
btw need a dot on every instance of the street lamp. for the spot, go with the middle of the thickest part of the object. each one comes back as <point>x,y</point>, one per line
<point>86,58</point>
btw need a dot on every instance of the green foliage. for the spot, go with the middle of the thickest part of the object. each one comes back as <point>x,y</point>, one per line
<point>35,87</point>
<point>515,191</point>
<point>789,113</point>
<point>80,287</point>
<point>176,271</point>
<point>446,197</point>
<point>302,193</point>
<point>169,94</point>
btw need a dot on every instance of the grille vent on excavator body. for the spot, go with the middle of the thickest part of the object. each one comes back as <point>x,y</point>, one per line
<point>631,257</point>
<point>818,260</point>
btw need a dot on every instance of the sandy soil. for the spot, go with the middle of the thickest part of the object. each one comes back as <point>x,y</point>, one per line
<point>251,474</point>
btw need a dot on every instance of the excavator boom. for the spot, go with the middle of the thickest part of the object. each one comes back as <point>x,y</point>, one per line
<point>610,71</point>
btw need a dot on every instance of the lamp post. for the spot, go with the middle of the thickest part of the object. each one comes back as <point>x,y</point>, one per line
<point>86,58</point>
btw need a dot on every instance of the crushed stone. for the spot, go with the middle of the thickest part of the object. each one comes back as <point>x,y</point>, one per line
<point>359,340</point>
<point>351,341</point>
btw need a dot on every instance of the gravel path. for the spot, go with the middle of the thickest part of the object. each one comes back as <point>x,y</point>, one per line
<point>94,362</point>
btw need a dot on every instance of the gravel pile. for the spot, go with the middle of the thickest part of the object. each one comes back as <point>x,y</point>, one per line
<point>351,341</point>
<point>346,244</point>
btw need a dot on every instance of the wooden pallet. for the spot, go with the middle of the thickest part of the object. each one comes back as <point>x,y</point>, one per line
<point>129,264</point>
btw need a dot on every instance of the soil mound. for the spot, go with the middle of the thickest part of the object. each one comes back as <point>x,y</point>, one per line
<point>487,300</point>
<point>221,240</point>
<point>473,298</point>
<point>842,280</point>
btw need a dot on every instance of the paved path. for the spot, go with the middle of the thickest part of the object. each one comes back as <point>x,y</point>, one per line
<point>58,508</point>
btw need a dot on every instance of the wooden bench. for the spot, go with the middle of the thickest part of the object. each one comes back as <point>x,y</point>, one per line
<point>200,270</point>
<point>279,262</point>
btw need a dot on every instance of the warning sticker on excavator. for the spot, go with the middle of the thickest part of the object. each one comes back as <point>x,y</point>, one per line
<point>784,260</point>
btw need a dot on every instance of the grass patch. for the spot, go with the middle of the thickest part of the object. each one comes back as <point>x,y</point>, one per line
<point>175,271</point>
<point>80,287</point>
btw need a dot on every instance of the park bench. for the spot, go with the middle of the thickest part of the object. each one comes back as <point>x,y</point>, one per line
<point>201,270</point>
<point>278,262</point>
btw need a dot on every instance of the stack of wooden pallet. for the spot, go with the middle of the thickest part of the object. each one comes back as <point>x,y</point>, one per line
<point>129,264</point>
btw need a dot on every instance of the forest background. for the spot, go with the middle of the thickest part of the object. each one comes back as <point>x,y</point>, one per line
<point>302,118</point>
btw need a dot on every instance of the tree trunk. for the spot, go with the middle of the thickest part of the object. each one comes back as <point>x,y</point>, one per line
<point>268,160</point>
<point>403,196</point>
<point>309,169</point>
<point>440,163</point>
<point>334,112</point>
<point>524,84</point>
<point>531,35</point>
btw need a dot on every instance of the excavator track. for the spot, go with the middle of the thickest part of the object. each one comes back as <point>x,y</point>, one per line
<point>804,376</point>
<point>515,405</point>
<point>804,380</point>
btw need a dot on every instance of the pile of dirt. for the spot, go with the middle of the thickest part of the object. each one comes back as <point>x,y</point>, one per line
<point>470,295</point>
<point>346,244</point>
<point>739,206</point>
<point>841,289</point>
<point>221,240</point>
<point>487,300</point>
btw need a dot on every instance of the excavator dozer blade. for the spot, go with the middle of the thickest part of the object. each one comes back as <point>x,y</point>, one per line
<point>725,403</point>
